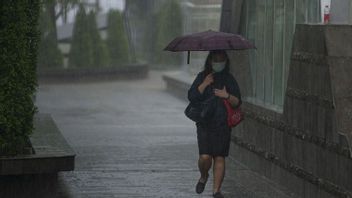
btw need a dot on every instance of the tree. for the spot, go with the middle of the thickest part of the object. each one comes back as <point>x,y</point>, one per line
<point>100,56</point>
<point>117,41</point>
<point>169,26</point>
<point>81,53</point>
<point>57,9</point>
<point>87,47</point>
<point>49,53</point>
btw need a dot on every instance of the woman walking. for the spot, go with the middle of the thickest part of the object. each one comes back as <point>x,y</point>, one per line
<point>214,134</point>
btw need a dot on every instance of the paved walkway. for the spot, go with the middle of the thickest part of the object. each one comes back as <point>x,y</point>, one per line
<point>132,140</point>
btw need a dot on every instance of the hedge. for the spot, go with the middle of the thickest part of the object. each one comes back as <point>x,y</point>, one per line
<point>117,41</point>
<point>19,38</point>
<point>81,53</point>
<point>87,48</point>
<point>100,52</point>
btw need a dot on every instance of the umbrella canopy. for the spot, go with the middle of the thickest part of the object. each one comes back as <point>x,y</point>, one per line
<point>207,41</point>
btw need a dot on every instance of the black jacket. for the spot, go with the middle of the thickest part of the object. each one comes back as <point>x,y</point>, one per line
<point>221,79</point>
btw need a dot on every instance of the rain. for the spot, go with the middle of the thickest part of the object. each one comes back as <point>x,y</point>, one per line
<point>175,98</point>
<point>103,81</point>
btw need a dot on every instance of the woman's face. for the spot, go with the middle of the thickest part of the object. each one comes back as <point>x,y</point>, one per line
<point>218,57</point>
<point>218,62</point>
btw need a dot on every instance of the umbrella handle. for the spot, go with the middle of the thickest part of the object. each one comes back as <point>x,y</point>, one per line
<point>188,56</point>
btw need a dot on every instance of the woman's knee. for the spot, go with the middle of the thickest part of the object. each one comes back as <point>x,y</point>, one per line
<point>219,158</point>
<point>205,157</point>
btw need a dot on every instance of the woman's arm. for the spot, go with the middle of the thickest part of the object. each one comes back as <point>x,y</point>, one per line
<point>195,93</point>
<point>225,94</point>
<point>206,82</point>
<point>230,92</point>
<point>235,93</point>
<point>234,101</point>
<point>202,87</point>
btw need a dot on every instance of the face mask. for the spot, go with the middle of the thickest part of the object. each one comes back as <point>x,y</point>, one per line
<point>218,66</point>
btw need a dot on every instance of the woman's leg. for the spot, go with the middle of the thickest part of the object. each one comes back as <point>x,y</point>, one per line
<point>219,172</point>
<point>204,164</point>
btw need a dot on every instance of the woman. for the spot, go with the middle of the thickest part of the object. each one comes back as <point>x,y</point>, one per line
<point>213,136</point>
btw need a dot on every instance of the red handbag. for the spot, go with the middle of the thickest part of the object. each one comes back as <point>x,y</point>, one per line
<point>234,116</point>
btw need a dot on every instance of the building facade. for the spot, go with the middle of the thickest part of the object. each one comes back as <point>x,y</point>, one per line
<point>296,95</point>
<point>270,26</point>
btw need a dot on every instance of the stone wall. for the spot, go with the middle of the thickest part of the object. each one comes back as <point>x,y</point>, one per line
<point>305,148</point>
<point>132,71</point>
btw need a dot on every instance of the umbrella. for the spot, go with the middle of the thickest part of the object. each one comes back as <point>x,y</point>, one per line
<point>207,41</point>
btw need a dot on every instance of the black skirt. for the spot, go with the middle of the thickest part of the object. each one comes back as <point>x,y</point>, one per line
<point>214,142</point>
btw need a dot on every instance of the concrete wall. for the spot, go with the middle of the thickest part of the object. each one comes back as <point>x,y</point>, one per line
<point>306,148</point>
<point>25,186</point>
<point>230,15</point>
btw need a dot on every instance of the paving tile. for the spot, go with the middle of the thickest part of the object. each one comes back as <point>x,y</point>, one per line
<point>132,139</point>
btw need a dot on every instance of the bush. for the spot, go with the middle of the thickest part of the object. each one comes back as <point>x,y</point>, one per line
<point>169,26</point>
<point>49,54</point>
<point>87,47</point>
<point>81,53</point>
<point>19,38</point>
<point>117,41</point>
<point>100,56</point>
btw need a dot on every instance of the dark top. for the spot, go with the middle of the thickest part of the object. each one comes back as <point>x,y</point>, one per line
<point>221,79</point>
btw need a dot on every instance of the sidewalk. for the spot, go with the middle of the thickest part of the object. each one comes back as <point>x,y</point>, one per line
<point>132,140</point>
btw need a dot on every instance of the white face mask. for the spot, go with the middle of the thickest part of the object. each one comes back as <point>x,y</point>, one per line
<point>218,66</point>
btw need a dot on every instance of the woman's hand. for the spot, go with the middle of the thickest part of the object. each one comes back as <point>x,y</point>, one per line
<point>207,81</point>
<point>222,93</point>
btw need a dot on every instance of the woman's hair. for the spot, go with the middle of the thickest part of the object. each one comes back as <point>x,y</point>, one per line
<point>207,66</point>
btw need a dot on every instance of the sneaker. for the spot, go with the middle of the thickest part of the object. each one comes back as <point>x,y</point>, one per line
<point>201,185</point>
<point>218,195</point>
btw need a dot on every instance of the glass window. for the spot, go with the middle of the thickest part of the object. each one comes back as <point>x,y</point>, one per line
<point>270,24</point>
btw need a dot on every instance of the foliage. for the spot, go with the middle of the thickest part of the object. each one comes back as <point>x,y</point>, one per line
<point>117,41</point>
<point>169,26</point>
<point>19,38</point>
<point>87,47</point>
<point>49,54</point>
<point>81,53</point>
<point>59,8</point>
<point>100,56</point>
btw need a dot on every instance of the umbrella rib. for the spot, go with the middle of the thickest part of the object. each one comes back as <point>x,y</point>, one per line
<point>178,42</point>
<point>230,44</point>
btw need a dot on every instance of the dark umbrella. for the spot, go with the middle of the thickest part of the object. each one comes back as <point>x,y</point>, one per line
<point>207,41</point>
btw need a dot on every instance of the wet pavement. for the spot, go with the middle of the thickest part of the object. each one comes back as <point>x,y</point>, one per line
<point>133,140</point>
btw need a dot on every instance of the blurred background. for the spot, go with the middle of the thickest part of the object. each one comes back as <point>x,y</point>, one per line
<point>117,33</point>
<point>101,70</point>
